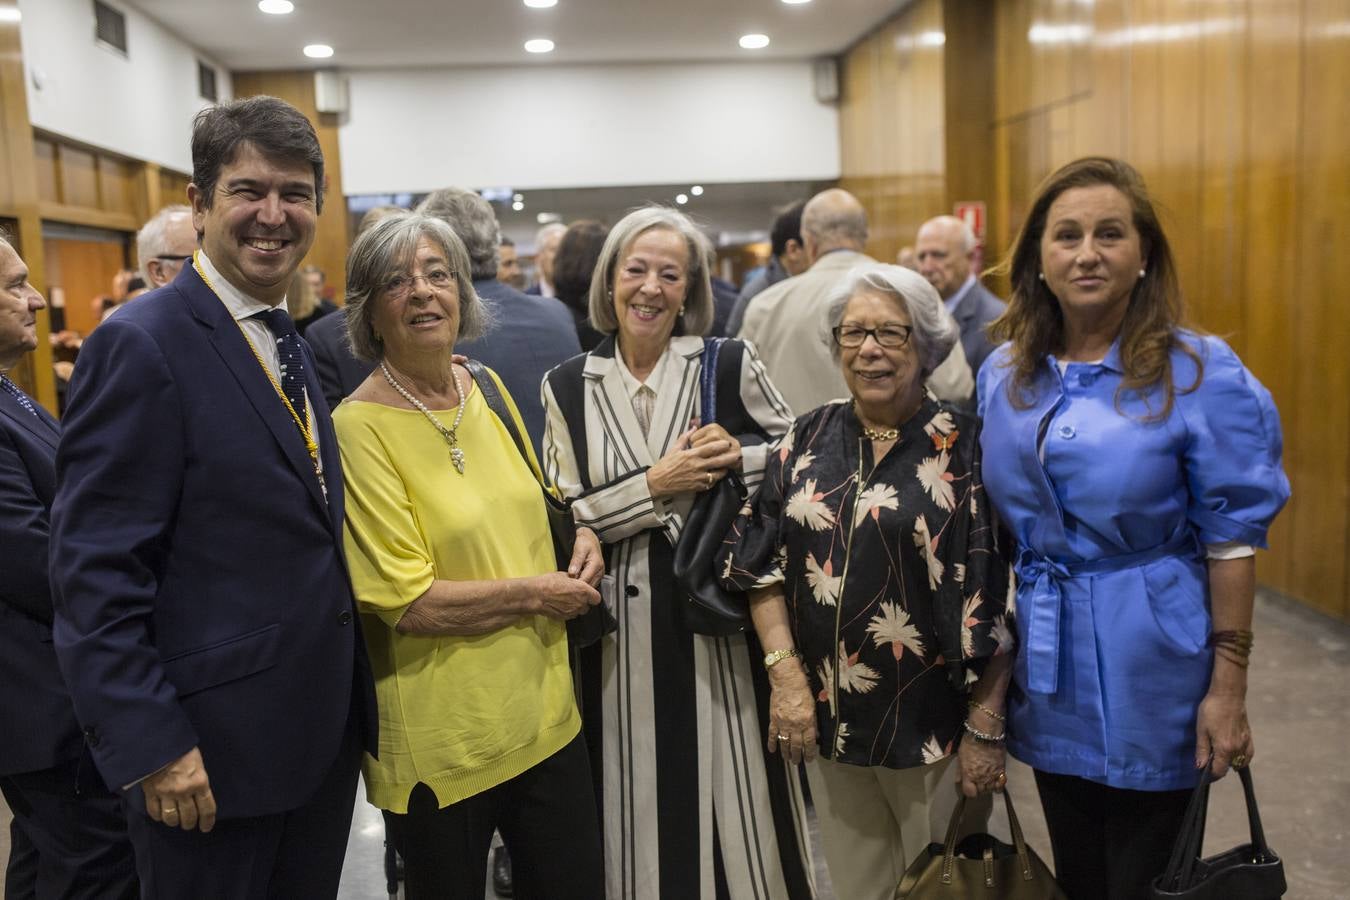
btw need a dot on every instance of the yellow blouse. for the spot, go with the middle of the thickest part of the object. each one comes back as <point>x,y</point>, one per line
<point>460,714</point>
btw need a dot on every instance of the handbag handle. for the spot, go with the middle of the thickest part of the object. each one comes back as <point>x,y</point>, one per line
<point>954,826</point>
<point>1190,841</point>
<point>707,387</point>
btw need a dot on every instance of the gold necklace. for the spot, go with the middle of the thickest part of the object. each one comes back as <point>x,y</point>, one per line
<point>451,438</point>
<point>875,434</point>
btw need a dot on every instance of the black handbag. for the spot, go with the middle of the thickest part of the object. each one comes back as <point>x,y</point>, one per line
<point>596,622</point>
<point>979,866</point>
<point>1249,872</point>
<point>710,608</point>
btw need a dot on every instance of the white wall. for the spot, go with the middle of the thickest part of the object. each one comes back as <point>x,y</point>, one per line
<point>140,105</point>
<point>578,126</point>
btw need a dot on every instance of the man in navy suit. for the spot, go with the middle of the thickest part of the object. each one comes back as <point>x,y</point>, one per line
<point>945,252</point>
<point>529,334</point>
<point>69,834</point>
<point>204,618</point>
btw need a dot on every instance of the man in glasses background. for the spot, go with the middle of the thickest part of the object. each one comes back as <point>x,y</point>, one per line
<point>165,244</point>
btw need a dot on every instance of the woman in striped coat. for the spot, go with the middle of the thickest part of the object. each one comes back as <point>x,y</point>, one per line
<point>694,806</point>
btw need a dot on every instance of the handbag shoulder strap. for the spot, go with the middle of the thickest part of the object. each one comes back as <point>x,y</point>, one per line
<point>712,348</point>
<point>487,385</point>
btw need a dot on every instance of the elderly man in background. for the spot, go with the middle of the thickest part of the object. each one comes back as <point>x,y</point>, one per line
<point>205,622</point>
<point>509,271</point>
<point>546,242</point>
<point>532,334</point>
<point>787,321</point>
<point>787,258</point>
<point>69,834</point>
<point>945,254</point>
<point>165,244</point>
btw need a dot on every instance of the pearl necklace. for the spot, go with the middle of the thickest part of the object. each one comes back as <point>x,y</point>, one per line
<point>456,454</point>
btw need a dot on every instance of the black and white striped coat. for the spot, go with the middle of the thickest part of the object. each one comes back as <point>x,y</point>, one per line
<point>676,722</point>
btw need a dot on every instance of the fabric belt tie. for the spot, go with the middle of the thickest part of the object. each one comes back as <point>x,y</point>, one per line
<point>1044,600</point>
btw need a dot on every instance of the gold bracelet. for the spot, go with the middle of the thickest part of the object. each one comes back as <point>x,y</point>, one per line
<point>774,657</point>
<point>997,717</point>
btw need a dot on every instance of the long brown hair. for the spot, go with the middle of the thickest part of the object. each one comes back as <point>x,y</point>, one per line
<point>1034,323</point>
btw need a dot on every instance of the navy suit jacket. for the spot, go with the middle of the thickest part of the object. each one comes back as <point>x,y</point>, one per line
<point>35,712</point>
<point>339,371</point>
<point>531,335</point>
<point>973,314</point>
<point>201,593</point>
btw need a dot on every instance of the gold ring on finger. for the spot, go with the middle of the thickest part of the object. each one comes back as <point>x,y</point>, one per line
<point>1240,760</point>
<point>784,737</point>
<point>1002,779</point>
<point>710,478</point>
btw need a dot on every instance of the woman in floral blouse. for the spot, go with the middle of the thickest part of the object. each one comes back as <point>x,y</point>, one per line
<point>878,588</point>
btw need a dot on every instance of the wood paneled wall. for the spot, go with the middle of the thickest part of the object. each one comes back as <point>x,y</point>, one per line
<point>329,252</point>
<point>1233,110</point>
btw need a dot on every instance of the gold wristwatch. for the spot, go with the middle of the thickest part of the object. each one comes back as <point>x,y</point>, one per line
<point>777,656</point>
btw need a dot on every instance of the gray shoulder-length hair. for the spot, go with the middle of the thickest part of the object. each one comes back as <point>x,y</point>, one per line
<point>387,249</point>
<point>698,297</point>
<point>935,331</point>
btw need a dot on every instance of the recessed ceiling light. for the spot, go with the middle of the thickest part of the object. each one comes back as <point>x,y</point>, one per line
<point>518,205</point>
<point>318,51</point>
<point>754,41</point>
<point>546,218</point>
<point>539,45</point>
<point>697,190</point>
<point>796,2</point>
<point>682,199</point>
<point>276,7</point>
<point>517,197</point>
<point>540,4</point>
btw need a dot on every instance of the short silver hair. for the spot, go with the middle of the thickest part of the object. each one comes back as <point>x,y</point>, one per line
<point>471,217</point>
<point>698,298</point>
<point>935,331</point>
<point>548,230</point>
<point>150,239</point>
<point>387,249</point>
<point>967,234</point>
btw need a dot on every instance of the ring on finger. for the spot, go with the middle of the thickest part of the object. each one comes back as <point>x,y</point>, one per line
<point>1240,760</point>
<point>710,478</point>
<point>1002,779</point>
<point>784,737</point>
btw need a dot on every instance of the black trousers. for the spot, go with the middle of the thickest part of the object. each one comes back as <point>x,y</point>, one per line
<point>1109,843</point>
<point>68,839</point>
<point>548,821</point>
<point>294,855</point>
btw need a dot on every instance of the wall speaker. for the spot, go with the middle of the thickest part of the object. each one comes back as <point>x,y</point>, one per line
<point>825,74</point>
<point>330,92</point>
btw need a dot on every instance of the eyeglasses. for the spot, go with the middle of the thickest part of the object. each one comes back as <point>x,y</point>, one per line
<point>400,286</point>
<point>892,337</point>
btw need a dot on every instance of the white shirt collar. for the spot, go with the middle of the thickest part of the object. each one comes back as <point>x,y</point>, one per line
<point>239,304</point>
<point>952,301</point>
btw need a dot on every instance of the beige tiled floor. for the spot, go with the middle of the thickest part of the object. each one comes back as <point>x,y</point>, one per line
<point>1299,704</point>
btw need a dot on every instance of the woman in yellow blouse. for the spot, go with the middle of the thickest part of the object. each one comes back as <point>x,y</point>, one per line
<point>453,565</point>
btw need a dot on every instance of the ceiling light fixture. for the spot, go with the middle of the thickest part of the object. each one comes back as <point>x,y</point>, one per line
<point>682,199</point>
<point>541,4</point>
<point>318,51</point>
<point>276,7</point>
<point>539,45</point>
<point>697,190</point>
<point>518,205</point>
<point>754,41</point>
<point>517,197</point>
<point>11,14</point>
<point>796,2</point>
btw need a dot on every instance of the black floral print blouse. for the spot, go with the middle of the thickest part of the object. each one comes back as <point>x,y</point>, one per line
<point>895,575</point>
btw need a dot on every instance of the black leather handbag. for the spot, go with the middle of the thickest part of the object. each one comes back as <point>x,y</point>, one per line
<point>709,608</point>
<point>596,622</point>
<point>1249,872</point>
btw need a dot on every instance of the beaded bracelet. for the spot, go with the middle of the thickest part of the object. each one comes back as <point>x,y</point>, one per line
<point>981,736</point>
<point>997,717</point>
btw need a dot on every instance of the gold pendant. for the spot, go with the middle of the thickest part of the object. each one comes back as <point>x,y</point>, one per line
<point>457,457</point>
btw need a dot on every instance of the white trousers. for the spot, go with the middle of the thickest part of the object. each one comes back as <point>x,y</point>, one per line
<point>874,821</point>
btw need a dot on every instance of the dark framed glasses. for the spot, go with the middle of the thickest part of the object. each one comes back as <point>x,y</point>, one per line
<point>892,337</point>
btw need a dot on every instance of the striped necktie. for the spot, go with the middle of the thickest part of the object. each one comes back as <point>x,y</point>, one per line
<point>12,389</point>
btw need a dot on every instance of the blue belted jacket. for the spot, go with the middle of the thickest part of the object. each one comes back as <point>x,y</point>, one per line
<point>1112,515</point>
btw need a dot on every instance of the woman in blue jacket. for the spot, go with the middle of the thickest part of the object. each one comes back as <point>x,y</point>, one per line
<point>1138,465</point>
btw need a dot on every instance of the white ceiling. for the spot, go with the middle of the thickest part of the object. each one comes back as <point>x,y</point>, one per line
<point>384,33</point>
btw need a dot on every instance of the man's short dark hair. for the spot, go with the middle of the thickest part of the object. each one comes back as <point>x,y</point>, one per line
<point>787,226</point>
<point>278,130</point>
<point>574,265</point>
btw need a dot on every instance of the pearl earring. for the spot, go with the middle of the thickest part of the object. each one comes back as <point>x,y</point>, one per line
<point>681,310</point>
<point>1040,275</point>
<point>1141,273</point>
